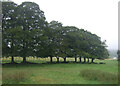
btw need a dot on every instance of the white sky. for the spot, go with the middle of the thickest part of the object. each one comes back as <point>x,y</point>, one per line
<point>97,16</point>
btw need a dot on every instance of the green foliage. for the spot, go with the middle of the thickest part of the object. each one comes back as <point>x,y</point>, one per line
<point>26,33</point>
<point>28,17</point>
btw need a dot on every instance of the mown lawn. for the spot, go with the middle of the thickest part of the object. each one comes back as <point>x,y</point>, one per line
<point>61,73</point>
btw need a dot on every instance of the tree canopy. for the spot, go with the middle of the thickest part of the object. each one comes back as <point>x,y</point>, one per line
<point>27,33</point>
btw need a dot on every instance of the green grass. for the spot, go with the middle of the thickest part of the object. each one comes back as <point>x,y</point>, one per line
<point>14,76</point>
<point>63,73</point>
<point>99,75</point>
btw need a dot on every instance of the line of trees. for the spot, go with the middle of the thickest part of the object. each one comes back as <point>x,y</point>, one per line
<point>25,32</point>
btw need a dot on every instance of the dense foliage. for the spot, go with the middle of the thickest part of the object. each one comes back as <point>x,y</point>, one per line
<point>27,33</point>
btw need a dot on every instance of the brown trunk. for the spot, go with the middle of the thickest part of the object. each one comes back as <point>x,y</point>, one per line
<point>24,59</point>
<point>12,59</point>
<point>12,49</point>
<point>80,59</point>
<point>88,60</point>
<point>57,59</point>
<point>65,59</point>
<point>92,60</point>
<point>51,59</point>
<point>75,59</point>
<point>84,59</point>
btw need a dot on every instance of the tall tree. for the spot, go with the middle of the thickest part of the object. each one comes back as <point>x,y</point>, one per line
<point>29,17</point>
<point>8,23</point>
<point>55,38</point>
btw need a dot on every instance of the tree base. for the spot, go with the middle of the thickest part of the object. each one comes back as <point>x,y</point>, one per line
<point>13,63</point>
<point>25,62</point>
<point>101,63</point>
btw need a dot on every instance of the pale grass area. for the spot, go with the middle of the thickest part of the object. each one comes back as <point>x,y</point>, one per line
<point>42,79</point>
<point>92,74</point>
<point>110,59</point>
<point>15,76</point>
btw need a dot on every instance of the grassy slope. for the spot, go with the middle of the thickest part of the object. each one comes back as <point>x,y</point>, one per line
<point>55,73</point>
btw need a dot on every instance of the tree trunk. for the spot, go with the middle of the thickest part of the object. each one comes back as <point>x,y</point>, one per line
<point>88,60</point>
<point>65,59</point>
<point>12,59</point>
<point>12,53</point>
<point>75,59</point>
<point>24,60</point>
<point>51,59</point>
<point>80,59</point>
<point>57,59</point>
<point>84,59</point>
<point>92,60</point>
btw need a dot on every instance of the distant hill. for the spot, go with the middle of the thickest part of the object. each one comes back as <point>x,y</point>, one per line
<point>113,53</point>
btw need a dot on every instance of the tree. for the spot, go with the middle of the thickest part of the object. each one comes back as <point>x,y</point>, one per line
<point>39,43</point>
<point>29,17</point>
<point>8,48</point>
<point>55,39</point>
<point>11,42</point>
<point>26,16</point>
<point>27,33</point>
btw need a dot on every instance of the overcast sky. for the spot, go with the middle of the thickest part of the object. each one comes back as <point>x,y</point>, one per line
<point>97,16</point>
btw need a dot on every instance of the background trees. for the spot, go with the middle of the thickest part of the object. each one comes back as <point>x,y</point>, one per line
<point>27,33</point>
<point>118,53</point>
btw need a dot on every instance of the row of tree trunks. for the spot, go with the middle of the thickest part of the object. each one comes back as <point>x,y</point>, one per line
<point>24,60</point>
<point>75,59</point>
<point>13,61</point>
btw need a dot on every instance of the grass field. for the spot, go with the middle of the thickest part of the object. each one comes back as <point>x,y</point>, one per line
<point>61,73</point>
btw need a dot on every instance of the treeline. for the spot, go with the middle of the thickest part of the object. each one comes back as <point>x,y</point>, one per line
<point>25,32</point>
